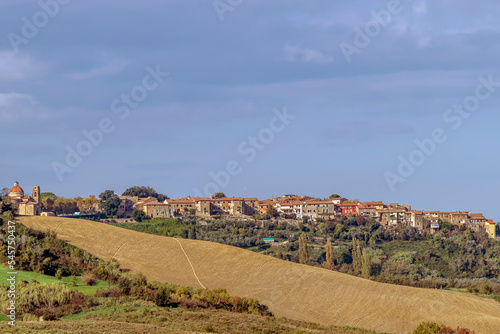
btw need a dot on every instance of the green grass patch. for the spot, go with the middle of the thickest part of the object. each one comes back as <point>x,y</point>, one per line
<point>3,317</point>
<point>29,276</point>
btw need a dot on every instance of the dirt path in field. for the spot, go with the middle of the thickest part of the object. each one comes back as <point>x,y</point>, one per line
<point>289,289</point>
<point>187,257</point>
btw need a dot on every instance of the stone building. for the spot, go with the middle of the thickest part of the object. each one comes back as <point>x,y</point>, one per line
<point>157,210</point>
<point>26,205</point>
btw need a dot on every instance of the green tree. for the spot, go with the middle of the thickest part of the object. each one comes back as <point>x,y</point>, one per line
<point>329,254</point>
<point>142,191</point>
<point>48,194</point>
<point>162,297</point>
<point>109,203</point>
<point>4,192</point>
<point>303,255</point>
<point>219,195</point>
<point>335,196</point>
<point>7,209</point>
<point>139,215</point>
<point>59,274</point>
<point>271,211</point>
<point>445,226</point>
<point>356,256</point>
<point>192,233</point>
<point>88,204</point>
<point>365,264</point>
<point>107,194</point>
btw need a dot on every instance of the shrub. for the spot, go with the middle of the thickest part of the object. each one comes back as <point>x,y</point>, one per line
<point>486,288</point>
<point>428,328</point>
<point>433,328</point>
<point>50,301</point>
<point>90,279</point>
<point>140,280</point>
<point>183,291</point>
<point>103,293</point>
<point>59,274</point>
<point>124,283</point>
<point>209,329</point>
<point>162,297</point>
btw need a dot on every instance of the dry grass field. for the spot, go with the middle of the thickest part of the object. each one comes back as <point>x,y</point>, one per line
<point>290,290</point>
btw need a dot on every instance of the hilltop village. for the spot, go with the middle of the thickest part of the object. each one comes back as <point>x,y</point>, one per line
<point>283,207</point>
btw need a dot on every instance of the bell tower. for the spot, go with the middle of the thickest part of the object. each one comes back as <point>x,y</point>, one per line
<point>36,194</point>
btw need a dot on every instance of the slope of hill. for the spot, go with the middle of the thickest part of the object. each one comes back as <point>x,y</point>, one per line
<point>290,290</point>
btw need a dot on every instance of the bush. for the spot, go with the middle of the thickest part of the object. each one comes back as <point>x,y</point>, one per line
<point>124,283</point>
<point>183,291</point>
<point>139,215</point>
<point>486,288</point>
<point>90,279</point>
<point>162,297</point>
<point>59,274</point>
<point>433,328</point>
<point>50,301</point>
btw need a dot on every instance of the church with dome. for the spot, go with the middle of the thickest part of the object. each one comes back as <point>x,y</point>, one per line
<point>26,205</point>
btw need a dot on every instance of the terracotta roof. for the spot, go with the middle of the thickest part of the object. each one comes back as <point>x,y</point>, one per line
<point>227,199</point>
<point>155,204</point>
<point>16,189</point>
<point>391,210</point>
<point>180,201</point>
<point>374,203</point>
<point>319,201</point>
<point>477,216</point>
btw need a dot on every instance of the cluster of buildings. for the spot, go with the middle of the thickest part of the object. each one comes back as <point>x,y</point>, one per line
<point>305,207</point>
<point>287,206</point>
<point>199,206</point>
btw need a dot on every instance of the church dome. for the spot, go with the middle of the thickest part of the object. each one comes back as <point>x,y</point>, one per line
<point>16,190</point>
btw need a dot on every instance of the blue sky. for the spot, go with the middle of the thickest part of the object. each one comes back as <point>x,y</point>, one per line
<point>232,67</point>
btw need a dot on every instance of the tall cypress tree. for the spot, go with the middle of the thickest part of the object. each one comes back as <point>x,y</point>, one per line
<point>365,265</point>
<point>303,256</point>
<point>356,256</point>
<point>329,254</point>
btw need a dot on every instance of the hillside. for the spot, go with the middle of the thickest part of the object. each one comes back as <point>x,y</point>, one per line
<point>290,290</point>
<point>154,320</point>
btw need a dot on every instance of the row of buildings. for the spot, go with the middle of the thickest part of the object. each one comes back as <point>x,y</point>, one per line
<point>288,206</point>
<point>301,207</point>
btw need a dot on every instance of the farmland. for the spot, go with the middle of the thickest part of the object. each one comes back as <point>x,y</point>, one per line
<point>290,290</point>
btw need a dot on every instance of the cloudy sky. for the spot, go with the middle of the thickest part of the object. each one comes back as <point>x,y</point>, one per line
<point>254,98</point>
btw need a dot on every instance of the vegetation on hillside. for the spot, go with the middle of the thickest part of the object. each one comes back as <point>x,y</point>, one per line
<point>45,254</point>
<point>60,205</point>
<point>456,258</point>
<point>434,328</point>
<point>127,317</point>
